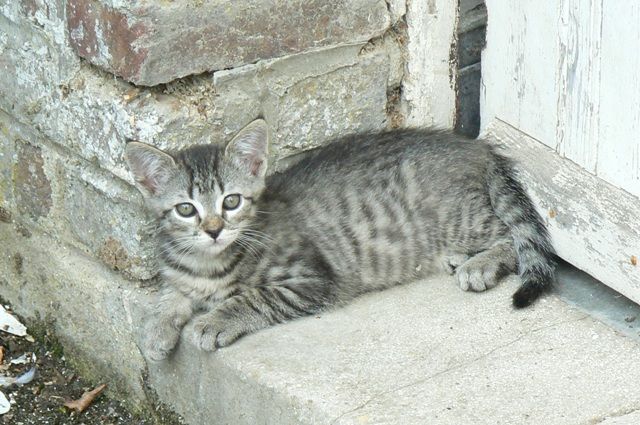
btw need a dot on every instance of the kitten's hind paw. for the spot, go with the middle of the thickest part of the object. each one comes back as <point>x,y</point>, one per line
<point>479,274</point>
<point>485,269</point>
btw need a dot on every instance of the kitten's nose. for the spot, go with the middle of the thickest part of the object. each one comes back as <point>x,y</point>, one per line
<point>213,226</point>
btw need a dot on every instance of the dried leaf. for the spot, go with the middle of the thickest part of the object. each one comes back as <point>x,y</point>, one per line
<point>634,260</point>
<point>1,354</point>
<point>85,401</point>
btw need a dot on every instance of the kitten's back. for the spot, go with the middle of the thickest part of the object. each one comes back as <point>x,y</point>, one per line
<point>385,208</point>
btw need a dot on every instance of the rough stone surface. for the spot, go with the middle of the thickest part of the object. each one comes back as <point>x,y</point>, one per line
<point>152,42</point>
<point>78,203</point>
<point>33,189</point>
<point>424,353</point>
<point>93,114</point>
<point>315,70</point>
<point>419,353</point>
<point>298,95</point>
<point>84,302</point>
<point>113,229</point>
<point>73,121</point>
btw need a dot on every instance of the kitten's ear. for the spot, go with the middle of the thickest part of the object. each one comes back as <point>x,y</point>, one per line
<point>151,167</point>
<point>250,147</point>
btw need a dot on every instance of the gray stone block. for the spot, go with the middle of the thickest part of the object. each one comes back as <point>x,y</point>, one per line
<point>308,99</point>
<point>74,200</point>
<point>155,42</point>
<point>111,226</point>
<point>92,114</point>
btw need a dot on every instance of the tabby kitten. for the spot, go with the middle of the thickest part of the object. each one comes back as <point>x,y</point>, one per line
<point>240,251</point>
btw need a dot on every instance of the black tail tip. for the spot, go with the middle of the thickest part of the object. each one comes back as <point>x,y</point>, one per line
<point>527,295</point>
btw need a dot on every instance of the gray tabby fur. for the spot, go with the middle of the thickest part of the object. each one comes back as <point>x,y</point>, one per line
<point>364,213</point>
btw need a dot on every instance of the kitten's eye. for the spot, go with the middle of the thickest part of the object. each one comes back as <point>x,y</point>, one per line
<point>231,202</point>
<point>186,209</point>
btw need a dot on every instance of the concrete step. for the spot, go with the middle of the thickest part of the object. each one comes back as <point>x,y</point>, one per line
<point>422,353</point>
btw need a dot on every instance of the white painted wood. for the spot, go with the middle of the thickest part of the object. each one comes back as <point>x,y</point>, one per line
<point>521,52</point>
<point>578,81</point>
<point>594,225</point>
<point>619,146</point>
<point>428,86</point>
<point>565,74</point>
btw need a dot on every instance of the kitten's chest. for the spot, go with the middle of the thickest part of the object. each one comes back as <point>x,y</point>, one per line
<point>200,287</point>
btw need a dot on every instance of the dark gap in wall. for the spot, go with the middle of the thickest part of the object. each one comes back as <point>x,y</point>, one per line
<point>395,119</point>
<point>472,25</point>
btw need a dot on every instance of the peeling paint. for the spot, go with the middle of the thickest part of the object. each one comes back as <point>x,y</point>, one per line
<point>597,225</point>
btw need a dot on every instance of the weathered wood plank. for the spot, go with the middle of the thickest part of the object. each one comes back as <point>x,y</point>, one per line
<point>429,84</point>
<point>619,146</point>
<point>578,81</point>
<point>594,225</point>
<point>519,66</point>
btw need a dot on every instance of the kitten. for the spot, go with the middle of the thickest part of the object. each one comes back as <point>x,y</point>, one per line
<point>240,251</point>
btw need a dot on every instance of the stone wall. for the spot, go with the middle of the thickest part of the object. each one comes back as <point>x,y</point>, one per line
<point>68,118</point>
<point>79,78</point>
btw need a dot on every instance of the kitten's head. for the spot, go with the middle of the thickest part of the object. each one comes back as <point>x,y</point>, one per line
<point>203,196</point>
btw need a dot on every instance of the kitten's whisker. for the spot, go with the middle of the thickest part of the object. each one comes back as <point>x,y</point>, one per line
<point>248,248</point>
<point>253,241</point>
<point>189,249</point>
<point>176,244</point>
<point>258,233</point>
<point>262,244</point>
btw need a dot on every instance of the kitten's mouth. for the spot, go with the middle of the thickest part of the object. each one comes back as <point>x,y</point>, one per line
<point>218,243</point>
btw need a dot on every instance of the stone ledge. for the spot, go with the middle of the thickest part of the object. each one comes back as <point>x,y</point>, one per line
<point>424,353</point>
<point>155,42</point>
<point>419,353</point>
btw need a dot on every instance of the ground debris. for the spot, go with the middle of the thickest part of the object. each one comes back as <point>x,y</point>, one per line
<point>25,378</point>
<point>5,406</point>
<point>10,324</point>
<point>85,401</point>
<point>40,401</point>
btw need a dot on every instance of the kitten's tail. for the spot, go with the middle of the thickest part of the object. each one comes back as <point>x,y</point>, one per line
<point>531,239</point>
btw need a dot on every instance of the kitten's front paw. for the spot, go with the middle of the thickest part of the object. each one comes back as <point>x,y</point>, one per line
<point>479,274</point>
<point>210,332</point>
<point>202,332</point>
<point>160,339</point>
